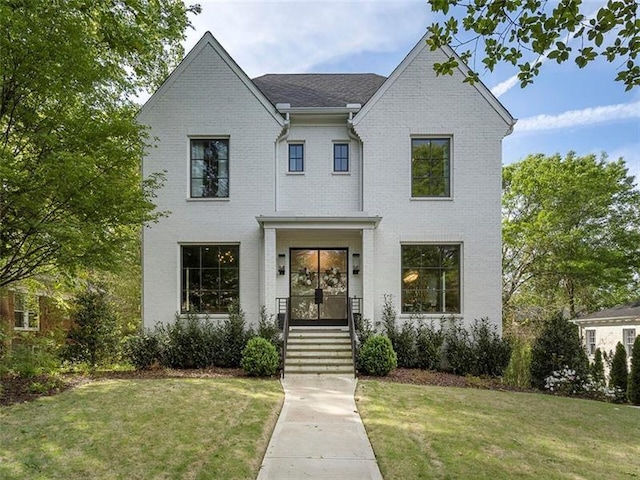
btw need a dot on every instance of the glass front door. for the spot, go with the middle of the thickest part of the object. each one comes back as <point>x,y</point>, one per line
<point>318,286</point>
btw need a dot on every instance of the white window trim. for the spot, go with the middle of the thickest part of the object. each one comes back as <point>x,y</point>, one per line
<point>25,312</point>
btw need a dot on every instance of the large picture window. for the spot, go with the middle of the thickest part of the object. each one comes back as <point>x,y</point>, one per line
<point>430,279</point>
<point>430,167</point>
<point>210,168</point>
<point>210,277</point>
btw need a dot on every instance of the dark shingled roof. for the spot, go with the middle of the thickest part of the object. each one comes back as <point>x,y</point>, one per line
<point>319,89</point>
<point>631,309</point>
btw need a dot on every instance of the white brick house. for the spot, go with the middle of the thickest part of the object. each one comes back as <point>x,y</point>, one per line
<point>320,188</point>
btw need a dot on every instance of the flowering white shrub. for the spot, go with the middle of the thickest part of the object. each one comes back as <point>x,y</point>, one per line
<point>566,382</point>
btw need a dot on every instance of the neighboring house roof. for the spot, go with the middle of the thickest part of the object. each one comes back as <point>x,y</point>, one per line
<point>626,311</point>
<point>319,89</point>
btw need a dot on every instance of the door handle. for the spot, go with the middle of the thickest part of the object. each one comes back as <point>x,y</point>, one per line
<point>319,296</point>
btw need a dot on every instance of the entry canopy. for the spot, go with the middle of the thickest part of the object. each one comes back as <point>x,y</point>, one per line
<point>327,222</point>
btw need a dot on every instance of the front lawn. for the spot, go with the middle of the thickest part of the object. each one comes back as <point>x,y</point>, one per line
<point>429,432</point>
<point>200,428</point>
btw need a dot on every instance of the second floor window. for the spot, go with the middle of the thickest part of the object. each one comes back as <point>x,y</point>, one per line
<point>209,168</point>
<point>296,157</point>
<point>430,167</point>
<point>340,157</point>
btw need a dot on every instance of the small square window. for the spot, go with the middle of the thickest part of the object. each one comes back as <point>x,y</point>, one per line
<point>340,157</point>
<point>296,157</point>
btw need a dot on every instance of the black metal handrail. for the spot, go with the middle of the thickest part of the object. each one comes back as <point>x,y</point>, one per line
<point>283,314</point>
<point>352,305</point>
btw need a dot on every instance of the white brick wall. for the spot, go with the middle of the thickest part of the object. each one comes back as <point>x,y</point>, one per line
<point>419,103</point>
<point>208,99</point>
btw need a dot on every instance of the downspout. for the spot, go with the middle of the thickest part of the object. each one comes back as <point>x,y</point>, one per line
<point>282,137</point>
<point>351,131</point>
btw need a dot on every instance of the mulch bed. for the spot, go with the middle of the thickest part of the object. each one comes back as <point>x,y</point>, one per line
<point>18,389</point>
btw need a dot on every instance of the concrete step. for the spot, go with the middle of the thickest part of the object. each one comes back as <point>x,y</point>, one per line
<point>318,333</point>
<point>295,353</point>
<point>319,340</point>
<point>319,347</point>
<point>319,369</point>
<point>319,361</point>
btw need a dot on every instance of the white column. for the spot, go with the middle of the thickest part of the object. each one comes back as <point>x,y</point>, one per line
<point>368,274</point>
<point>268,290</point>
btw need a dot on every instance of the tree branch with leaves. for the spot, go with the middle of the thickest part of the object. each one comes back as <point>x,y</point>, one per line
<point>524,33</point>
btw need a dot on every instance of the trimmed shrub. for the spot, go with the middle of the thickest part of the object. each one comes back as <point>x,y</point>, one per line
<point>234,337</point>
<point>619,374</point>
<point>429,346</point>
<point>458,350</point>
<point>491,352</point>
<point>404,344</point>
<point>260,358</point>
<point>633,390</point>
<point>184,343</point>
<point>557,347</point>
<point>143,350</point>
<point>376,357</point>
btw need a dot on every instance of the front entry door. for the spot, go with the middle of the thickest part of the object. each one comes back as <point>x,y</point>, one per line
<point>318,286</point>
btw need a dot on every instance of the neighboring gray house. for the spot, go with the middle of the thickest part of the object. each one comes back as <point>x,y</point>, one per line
<point>604,329</point>
<point>318,188</point>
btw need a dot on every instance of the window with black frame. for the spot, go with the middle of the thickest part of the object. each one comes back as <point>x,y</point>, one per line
<point>340,157</point>
<point>430,167</point>
<point>430,279</point>
<point>296,157</point>
<point>209,168</point>
<point>210,278</point>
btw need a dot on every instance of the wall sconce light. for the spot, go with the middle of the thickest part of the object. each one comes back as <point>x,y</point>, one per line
<point>281,265</point>
<point>356,263</point>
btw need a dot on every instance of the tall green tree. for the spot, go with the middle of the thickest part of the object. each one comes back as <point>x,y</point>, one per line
<point>71,193</point>
<point>570,232</point>
<point>619,374</point>
<point>524,33</point>
<point>633,392</point>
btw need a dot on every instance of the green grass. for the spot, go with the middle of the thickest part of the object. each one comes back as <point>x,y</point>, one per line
<point>142,429</point>
<point>424,432</point>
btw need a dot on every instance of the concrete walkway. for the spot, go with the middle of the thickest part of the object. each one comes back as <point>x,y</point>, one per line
<point>319,433</point>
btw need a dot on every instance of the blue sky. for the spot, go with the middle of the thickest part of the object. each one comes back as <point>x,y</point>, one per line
<point>566,108</point>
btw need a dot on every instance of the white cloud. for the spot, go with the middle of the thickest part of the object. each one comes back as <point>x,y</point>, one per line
<point>575,118</point>
<point>284,37</point>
